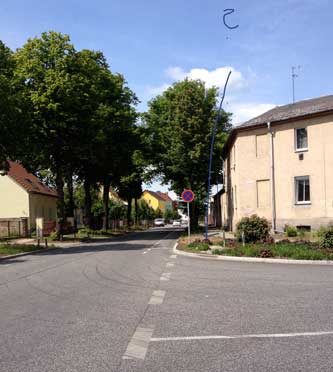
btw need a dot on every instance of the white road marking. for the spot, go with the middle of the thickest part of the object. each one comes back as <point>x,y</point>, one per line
<point>170,264</point>
<point>144,252</point>
<point>165,276</point>
<point>220,337</point>
<point>173,256</point>
<point>149,249</point>
<point>157,298</point>
<point>137,347</point>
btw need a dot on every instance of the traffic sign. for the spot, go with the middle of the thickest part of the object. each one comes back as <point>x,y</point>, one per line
<point>188,196</point>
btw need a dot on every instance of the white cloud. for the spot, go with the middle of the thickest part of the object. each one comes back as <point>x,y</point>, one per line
<point>154,91</point>
<point>215,77</point>
<point>243,111</point>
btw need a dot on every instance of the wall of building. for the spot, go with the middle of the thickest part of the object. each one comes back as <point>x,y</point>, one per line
<point>14,200</point>
<point>42,206</point>
<point>153,202</point>
<point>248,176</point>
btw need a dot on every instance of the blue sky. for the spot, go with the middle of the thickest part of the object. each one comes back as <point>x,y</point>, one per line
<point>154,43</point>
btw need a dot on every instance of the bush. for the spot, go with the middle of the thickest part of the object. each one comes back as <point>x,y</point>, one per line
<point>291,231</point>
<point>326,237</point>
<point>255,228</point>
<point>198,246</point>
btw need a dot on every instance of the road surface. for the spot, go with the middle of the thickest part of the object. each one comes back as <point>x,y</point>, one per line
<point>131,305</point>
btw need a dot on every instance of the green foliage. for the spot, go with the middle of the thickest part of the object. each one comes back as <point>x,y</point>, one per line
<point>198,246</point>
<point>326,237</point>
<point>14,119</point>
<point>145,212</point>
<point>255,228</point>
<point>170,214</point>
<point>280,250</point>
<point>177,131</point>
<point>291,231</point>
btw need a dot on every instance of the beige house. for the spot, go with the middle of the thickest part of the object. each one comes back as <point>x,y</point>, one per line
<point>23,195</point>
<point>280,165</point>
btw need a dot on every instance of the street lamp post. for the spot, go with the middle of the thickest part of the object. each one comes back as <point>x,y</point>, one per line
<point>211,152</point>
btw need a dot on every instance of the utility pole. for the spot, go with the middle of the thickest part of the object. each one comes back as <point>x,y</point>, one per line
<point>293,77</point>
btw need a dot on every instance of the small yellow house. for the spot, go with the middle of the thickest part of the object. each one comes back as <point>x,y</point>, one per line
<point>157,200</point>
<point>23,195</point>
<point>279,165</point>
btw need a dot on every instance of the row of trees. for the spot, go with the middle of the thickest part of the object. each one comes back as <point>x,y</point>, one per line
<point>64,111</point>
<point>67,117</point>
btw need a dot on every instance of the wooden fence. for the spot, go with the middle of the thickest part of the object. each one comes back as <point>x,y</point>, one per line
<point>13,227</point>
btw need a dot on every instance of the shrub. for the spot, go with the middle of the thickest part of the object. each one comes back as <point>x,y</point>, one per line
<point>326,237</point>
<point>291,231</point>
<point>198,246</point>
<point>255,228</point>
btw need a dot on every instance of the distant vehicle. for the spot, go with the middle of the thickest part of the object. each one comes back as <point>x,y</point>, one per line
<point>158,222</point>
<point>177,223</point>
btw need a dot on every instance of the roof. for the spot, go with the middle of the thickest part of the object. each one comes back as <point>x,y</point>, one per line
<point>282,114</point>
<point>28,181</point>
<point>164,196</point>
<point>155,195</point>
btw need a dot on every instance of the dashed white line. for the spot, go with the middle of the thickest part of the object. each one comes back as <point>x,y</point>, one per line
<point>170,264</point>
<point>137,347</point>
<point>157,297</point>
<point>144,252</point>
<point>260,335</point>
<point>173,256</point>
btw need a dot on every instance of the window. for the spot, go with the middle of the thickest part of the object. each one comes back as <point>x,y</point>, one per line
<point>302,190</point>
<point>263,194</point>
<point>301,140</point>
<point>261,146</point>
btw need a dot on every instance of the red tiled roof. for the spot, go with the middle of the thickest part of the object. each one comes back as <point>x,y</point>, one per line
<point>28,181</point>
<point>155,194</point>
<point>164,196</point>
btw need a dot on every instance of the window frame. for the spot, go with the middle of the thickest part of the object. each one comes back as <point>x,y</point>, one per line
<point>303,149</point>
<point>296,180</point>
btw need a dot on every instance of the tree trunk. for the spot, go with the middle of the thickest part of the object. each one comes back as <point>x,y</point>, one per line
<point>60,204</point>
<point>136,210</point>
<point>71,202</point>
<point>129,211</point>
<point>87,203</point>
<point>106,199</point>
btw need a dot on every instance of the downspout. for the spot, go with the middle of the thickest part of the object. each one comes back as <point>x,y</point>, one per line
<point>272,177</point>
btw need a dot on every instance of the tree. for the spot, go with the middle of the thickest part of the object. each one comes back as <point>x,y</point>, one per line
<point>13,119</point>
<point>178,128</point>
<point>63,87</point>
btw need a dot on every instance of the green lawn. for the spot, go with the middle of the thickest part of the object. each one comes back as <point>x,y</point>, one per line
<point>305,251</point>
<point>8,249</point>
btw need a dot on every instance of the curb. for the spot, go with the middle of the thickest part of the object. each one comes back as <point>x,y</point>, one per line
<point>251,259</point>
<point>28,253</point>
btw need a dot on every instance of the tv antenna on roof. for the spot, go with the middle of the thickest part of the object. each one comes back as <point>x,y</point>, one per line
<point>293,77</point>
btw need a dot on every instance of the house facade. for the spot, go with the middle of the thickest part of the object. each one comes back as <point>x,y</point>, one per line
<point>23,195</point>
<point>280,166</point>
<point>157,200</point>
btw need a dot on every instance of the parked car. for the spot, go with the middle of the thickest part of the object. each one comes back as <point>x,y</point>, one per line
<point>177,223</point>
<point>158,222</point>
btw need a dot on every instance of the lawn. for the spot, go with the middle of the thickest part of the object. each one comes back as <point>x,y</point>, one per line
<point>8,249</point>
<point>297,251</point>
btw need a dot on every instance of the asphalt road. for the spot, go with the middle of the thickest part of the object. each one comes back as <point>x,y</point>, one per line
<point>131,305</point>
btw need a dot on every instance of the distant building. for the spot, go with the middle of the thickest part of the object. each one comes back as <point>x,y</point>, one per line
<point>280,165</point>
<point>23,195</point>
<point>157,200</point>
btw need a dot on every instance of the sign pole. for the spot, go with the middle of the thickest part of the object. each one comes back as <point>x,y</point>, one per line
<point>188,223</point>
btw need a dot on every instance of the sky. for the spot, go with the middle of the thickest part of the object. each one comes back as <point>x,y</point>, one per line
<point>154,43</point>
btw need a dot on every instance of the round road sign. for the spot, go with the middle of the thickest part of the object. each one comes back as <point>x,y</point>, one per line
<point>188,196</point>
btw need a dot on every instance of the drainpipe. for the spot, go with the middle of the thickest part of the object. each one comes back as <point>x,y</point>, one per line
<point>272,177</point>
